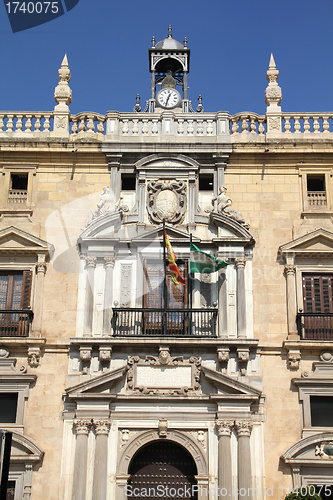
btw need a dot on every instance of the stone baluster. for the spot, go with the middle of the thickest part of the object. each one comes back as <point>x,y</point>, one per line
<point>241,298</point>
<point>224,428</point>
<point>108,295</point>
<point>47,124</point>
<point>81,429</point>
<point>102,428</point>
<point>89,304</point>
<point>19,124</point>
<point>38,302</point>
<point>290,271</point>
<point>244,428</point>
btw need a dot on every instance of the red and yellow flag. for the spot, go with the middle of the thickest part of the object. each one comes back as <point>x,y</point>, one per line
<point>174,270</point>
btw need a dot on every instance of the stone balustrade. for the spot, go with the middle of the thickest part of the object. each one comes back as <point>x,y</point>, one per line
<point>241,123</point>
<point>87,123</point>
<point>240,127</point>
<point>307,123</point>
<point>26,122</point>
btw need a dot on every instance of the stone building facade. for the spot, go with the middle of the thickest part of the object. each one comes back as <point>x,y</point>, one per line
<point>223,389</point>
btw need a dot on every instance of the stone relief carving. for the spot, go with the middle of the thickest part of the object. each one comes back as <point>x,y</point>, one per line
<point>294,358</point>
<point>33,356</point>
<point>325,450</point>
<point>173,386</point>
<point>223,207</point>
<point>163,427</point>
<point>201,437</point>
<point>125,435</point>
<point>125,285</point>
<point>166,200</point>
<point>85,358</point>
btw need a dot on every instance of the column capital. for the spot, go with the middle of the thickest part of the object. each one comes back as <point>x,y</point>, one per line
<point>224,427</point>
<point>82,426</point>
<point>240,262</point>
<point>41,267</point>
<point>90,261</point>
<point>243,427</point>
<point>109,261</point>
<point>290,269</point>
<point>102,426</point>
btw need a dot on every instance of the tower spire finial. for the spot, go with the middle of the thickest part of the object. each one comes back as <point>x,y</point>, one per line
<point>273,92</point>
<point>170,31</point>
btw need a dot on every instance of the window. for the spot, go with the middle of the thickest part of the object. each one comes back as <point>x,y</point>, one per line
<point>18,192</point>
<point>321,411</point>
<point>317,317</point>
<point>8,407</point>
<point>15,289</point>
<point>316,190</point>
<point>206,182</point>
<point>128,182</point>
<point>10,490</point>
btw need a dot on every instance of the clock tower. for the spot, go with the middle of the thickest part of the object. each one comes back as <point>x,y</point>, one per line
<point>169,62</point>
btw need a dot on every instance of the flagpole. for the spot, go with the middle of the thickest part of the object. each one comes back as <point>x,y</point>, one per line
<point>190,278</point>
<point>165,301</point>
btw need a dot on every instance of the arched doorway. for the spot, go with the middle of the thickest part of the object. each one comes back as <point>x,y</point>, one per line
<point>162,470</point>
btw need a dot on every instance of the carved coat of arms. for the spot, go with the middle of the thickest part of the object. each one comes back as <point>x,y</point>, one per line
<point>167,200</point>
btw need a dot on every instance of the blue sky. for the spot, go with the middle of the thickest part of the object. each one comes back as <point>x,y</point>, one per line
<point>107,46</point>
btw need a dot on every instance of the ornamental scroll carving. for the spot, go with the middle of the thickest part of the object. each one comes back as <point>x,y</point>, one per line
<point>163,375</point>
<point>166,200</point>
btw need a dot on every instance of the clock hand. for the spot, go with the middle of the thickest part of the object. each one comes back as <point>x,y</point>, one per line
<point>166,102</point>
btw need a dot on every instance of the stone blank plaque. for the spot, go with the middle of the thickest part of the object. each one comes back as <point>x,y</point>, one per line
<point>163,376</point>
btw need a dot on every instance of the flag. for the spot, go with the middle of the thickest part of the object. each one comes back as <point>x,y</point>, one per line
<point>175,273</point>
<point>202,262</point>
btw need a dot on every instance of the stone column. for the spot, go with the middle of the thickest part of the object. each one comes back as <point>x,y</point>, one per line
<point>223,305</point>
<point>241,307</point>
<point>81,428</point>
<point>108,294</point>
<point>141,199</point>
<point>38,302</point>
<point>89,302</point>
<point>102,428</point>
<point>290,271</point>
<point>191,200</point>
<point>244,428</point>
<point>224,428</point>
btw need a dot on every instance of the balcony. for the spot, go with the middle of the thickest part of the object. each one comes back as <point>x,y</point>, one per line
<point>196,323</point>
<point>315,326</point>
<point>14,323</point>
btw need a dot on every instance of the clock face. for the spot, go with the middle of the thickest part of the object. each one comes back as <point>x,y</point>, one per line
<point>168,98</point>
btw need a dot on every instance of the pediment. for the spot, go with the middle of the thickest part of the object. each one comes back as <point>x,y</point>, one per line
<point>23,450</point>
<point>229,386</point>
<point>233,230</point>
<point>317,448</point>
<point>316,243</point>
<point>102,384</point>
<point>164,162</point>
<point>174,234</point>
<point>13,239</point>
<point>101,226</point>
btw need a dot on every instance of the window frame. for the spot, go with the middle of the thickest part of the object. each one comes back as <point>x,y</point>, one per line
<point>327,173</point>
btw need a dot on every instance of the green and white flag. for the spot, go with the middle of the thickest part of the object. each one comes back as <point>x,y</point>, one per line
<point>202,262</point>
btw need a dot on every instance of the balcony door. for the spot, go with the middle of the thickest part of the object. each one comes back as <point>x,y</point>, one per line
<point>318,305</point>
<point>174,321</point>
<point>15,288</point>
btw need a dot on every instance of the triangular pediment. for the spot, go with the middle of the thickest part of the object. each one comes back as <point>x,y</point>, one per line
<point>316,243</point>
<point>13,239</point>
<point>229,386</point>
<point>97,385</point>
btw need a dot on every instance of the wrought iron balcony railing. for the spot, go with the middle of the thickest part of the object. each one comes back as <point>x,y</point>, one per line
<point>134,322</point>
<point>315,326</point>
<point>15,323</point>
